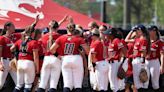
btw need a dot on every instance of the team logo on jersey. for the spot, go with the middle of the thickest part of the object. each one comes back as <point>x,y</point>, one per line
<point>7,6</point>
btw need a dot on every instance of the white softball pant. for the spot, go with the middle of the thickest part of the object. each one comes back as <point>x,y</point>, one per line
<point>115,83</point>
<point>137,66</point>
<point>25,73</point>
<point>50,72</point>
<point>3,74</point>
<point>100,76</point>
<point>154,68</point>
<point>73,71</point>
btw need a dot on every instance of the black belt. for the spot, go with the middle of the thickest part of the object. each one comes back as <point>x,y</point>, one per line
<point>7,58</point>
<point>41,57</point>
<point>111,61</point>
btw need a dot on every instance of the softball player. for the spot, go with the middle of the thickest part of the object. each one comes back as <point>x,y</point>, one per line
<point>129,75</point>
<point>51,68</point>
<point>100,71</point>
<point>156,54</point>
<point>140,50</point>
<point>27,64</point>
<point>72,64</point>
<point>115,49</point>
<point>5,53</point>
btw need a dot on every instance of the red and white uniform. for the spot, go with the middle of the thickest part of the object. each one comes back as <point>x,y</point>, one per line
<point>15,37</point>
<point>140,45</point>
<point>51,67</point>
<point>72,65</point>
<point>114,53</point>
<point>25,64</point>
<point>6,43</point>
<point>153,63</point>
<point>45,39</point>
<point>114,49</point>
<point>101,73</point>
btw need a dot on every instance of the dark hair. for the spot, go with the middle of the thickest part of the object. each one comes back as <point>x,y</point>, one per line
<point>146,35</point>
<point>54,24</point>
<point>94,24</point>
<point>71,27</point>
<point>154,28</point>
<point>114,32</point>
<point>105,27</point>
<point>120,33</point>
<point>7,24</point>
<point>36,32</point>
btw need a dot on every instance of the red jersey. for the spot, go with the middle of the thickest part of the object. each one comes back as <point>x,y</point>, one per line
<point>15,37</point>
<point>97,48</point>
<point>139,46</point>
<point>124,43</point>
<point>31,45</point>
<point>129,55</point>
<point>156,48</point>
<point>6,44</point>
<point>114,49</point>
<point>69,44</point>
<point>130,47</point>
<point>45,40</point>
<point>40,48</point>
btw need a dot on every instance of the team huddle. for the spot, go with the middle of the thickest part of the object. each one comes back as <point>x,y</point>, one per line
<point>125,64</point>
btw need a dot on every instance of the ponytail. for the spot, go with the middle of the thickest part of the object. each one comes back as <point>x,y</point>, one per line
<point>6,25</point>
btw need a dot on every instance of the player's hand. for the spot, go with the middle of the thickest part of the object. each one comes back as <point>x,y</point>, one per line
<point>1,66</point>
<point>37,18</point>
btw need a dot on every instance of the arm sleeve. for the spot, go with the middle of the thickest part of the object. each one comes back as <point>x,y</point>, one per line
<point>94,48</point>
<point>1,41</point>
<point>35,45</point>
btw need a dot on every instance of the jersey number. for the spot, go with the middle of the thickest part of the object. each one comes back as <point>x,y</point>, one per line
<point>69,48</point>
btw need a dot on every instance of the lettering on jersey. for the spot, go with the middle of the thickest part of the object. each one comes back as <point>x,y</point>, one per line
<point>69,48</point>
